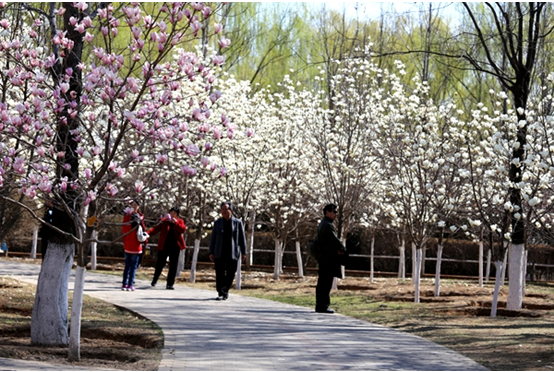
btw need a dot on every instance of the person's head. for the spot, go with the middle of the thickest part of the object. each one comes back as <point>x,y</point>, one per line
<point>226,210</point>
<point>174,212</point>
<point>135,205</point>
<point>330,211</point>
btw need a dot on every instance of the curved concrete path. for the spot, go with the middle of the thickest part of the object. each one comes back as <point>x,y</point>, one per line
<point>246,333</point>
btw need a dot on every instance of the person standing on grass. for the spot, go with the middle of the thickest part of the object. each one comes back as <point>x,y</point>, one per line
<point>227,243</point>
<point>133,220</point>
<point>171,229</point>
<point>331,251</point>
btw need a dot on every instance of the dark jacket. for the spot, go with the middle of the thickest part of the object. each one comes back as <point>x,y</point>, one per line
<point>163,228</point>
<point>238,240</point>
<point>329,245</point>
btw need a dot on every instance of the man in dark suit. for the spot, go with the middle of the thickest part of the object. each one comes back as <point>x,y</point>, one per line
<point>330,250</point>
<point>227,243</point>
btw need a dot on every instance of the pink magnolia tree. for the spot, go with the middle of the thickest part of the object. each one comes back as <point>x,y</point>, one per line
<point>91,91</point>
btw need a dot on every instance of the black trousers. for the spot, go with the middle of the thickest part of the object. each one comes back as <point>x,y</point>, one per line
<point>173,254</point>
<point>225,270</point>
<point>323,289</point>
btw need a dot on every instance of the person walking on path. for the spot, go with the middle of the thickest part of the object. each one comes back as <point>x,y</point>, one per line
<point>171,229</point>
<point>331,251</point>
<point>227,243</point>
<point>133,220</point>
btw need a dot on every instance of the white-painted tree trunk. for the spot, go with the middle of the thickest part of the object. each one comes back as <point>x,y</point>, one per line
<point>238,281</point>
<point>299,260</point>
<point>371,259</point>
<point>402,261</point>
<point>277,264</point>
<point>504,265</point>
<point>335,284</point>
<point>489,259</point>
<point>34,244</point>
<point>481,264</point>
<point>76,311</point>
<point>181,263</point>
<point>516,277</point>
<point>250,257</point>
<point>413,263</point>
<point>423,254</point>
<point>49,318</point>
<point>416,276</point>
<point>192,278</point>
<point>524,276</point>
<point>438,271</point>
<point>497,283</point>
<point>93,251</point>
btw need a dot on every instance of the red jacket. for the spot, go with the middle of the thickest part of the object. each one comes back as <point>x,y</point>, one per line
<point>130,242</point>
<point>179,229</point>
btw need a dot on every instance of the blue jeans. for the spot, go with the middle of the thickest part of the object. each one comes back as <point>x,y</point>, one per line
<point>131,263</point>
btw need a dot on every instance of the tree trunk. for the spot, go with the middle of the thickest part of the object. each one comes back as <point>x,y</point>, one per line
<point>181,263</point>
<point>238,282</point>
<point>250,257</point>
<point>192,278</point>
<point>35,241</point>
<point>516,277</point>
<point>402,261</point>
<point>498,265</point>
<point>371,258</point>
<point>299,260</point>
<point>414,263</point>
<point>489,259</point>
<point>76,310</point>
<point>416,274</point>
<point>49,318</point>
<point>524,276</point>
<point>277,265</point>
<point>93,251</point>
<point>481,263</point>
<point>504,265</point>
<point>438,271</point>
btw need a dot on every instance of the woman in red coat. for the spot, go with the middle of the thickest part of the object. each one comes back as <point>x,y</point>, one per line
<point>131,244</point>
<point>171,229</point>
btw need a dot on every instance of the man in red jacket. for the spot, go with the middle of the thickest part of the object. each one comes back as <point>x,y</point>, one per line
<point>170,244</point>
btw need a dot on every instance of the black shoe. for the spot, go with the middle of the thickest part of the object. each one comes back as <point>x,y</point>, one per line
<point>169,287</point>
<point>220,298</point>
<point>153,284</point>
<point>225,296</point>
<point>325,311</point>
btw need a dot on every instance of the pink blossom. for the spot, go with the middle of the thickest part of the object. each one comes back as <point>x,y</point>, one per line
<point>249,132</point>
<point>205,162</point>
<point>120,172</point>
<point>73,21</point>
<point>113,165</point>
<point>218,60</point>
<point>96,151</point>
<point>5,23</point>
<point>161,158</point>
<point>208,146</point>
<point>134,154</point>
<point>88,174</point>
<point>218,27</point>
<point>222,172</point>
<point>139,186</point>
<point>224,42</point>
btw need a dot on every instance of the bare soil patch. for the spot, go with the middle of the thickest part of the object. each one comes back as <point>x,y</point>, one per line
<point>111,337</point>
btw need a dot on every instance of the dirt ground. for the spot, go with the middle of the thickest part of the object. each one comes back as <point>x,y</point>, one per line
<point>460,319</point>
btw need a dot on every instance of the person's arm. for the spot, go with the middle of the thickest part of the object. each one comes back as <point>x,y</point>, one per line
<point>156,229</point>
<point>330,235</point>
<point>179,227</point>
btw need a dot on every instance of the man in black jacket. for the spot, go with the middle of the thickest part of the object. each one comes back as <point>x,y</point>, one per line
<point>227,244</point>
<point>330,249</point>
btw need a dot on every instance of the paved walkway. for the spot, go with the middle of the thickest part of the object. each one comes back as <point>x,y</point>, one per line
<point>245,333</point>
